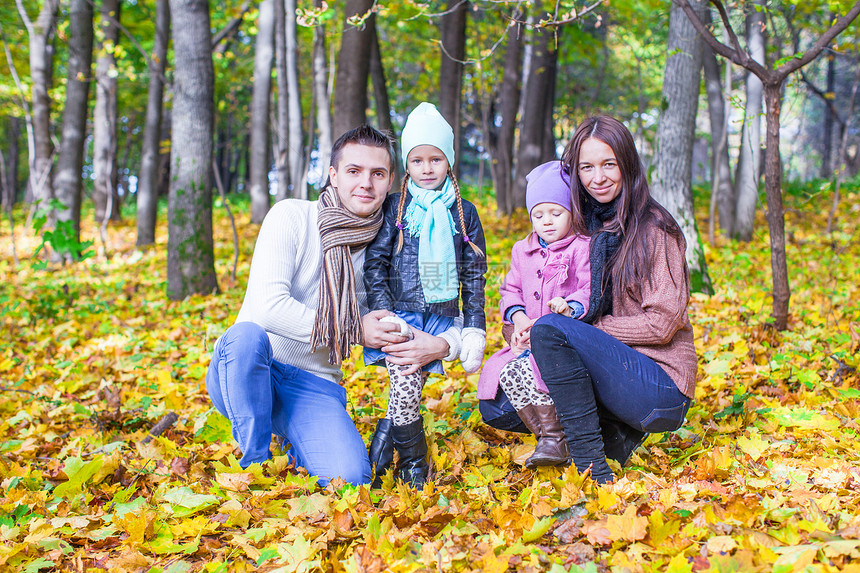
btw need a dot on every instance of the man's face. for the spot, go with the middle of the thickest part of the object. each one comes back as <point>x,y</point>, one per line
<point>362,178</point>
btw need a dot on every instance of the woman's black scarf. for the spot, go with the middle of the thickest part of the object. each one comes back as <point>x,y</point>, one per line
<point>604,245</point>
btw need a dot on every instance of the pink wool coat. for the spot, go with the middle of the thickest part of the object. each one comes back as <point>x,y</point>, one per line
<point>538,274</point>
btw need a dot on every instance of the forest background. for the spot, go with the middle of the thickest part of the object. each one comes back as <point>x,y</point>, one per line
<point>121,120</point>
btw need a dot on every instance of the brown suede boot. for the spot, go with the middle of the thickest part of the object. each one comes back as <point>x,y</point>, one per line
<point>551,448</point>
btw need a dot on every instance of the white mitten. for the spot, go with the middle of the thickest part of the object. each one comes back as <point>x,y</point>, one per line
<point>452,336</point>
<point>404,328</point>
<point>474,344</point>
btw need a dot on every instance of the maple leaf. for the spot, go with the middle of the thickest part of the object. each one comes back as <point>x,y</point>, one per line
<point>627,527</point>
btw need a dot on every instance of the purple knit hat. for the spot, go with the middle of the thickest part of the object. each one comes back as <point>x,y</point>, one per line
<point>547,183</point>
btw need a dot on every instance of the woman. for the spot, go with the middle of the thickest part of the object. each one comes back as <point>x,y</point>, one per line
<point>634,370</point>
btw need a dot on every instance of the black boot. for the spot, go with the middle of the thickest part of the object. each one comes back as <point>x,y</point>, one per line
<point>411,445</point>
<point>571,389</point>
<point>620,440</point>
<point>381,451</point>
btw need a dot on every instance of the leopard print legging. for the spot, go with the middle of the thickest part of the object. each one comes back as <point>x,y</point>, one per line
<point>404,394</point>
<point>518,382</point>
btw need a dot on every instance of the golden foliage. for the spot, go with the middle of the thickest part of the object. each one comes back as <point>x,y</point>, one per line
<point>765,474</point>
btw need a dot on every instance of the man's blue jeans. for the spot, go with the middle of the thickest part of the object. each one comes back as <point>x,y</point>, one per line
<point>261,396</point>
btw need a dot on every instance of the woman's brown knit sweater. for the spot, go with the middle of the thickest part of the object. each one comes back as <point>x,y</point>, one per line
<point>652,317</point>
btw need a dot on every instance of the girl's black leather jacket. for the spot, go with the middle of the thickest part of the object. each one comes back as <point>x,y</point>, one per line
<point>391,278</point>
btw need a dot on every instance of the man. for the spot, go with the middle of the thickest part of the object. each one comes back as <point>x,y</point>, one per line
<point>276,369</point>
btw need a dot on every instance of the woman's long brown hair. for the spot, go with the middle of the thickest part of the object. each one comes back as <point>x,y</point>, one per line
<point>635,210</point>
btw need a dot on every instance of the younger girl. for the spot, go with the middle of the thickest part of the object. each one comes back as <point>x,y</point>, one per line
<point>428,255</point>
<point>550,272</point>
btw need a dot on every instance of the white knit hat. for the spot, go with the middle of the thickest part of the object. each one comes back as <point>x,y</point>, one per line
<point>426,126</point>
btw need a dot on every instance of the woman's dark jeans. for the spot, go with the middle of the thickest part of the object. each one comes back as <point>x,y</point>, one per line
<point>586,370</point>
<point>501,414</point>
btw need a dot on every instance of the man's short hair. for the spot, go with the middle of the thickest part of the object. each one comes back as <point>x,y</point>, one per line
<point>363,135</point>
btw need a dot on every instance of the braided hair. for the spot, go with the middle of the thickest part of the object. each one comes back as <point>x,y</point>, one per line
<point>402,202</point>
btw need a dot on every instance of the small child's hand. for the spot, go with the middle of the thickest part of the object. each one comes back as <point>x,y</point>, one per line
<point>559,306</point>
<point>521,341</point>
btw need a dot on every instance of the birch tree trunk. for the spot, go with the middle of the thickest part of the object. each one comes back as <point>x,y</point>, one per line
<point>321,96</point>
<point>105,195</point>
<point>298,171</point>
<point>746,179</point>
<point>671,180</point>
<point>147,184</point>
<point>827,163</point>
<point>259,149</point>
<point>282,139</point>
<point>71,157</point>
<point>722,188</point>
<point>41,63</point>
<point>190,254</point>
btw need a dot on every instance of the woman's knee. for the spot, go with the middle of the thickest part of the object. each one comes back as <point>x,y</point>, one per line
<point>545,333</point>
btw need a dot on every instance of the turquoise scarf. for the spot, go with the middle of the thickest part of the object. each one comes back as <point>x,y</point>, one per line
<point>428,218</point>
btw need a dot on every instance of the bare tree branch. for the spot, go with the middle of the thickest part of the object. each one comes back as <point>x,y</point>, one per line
<point>230,28</point>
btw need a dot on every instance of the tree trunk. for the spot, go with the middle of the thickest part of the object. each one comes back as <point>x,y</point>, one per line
<point>122,165</point>
<point>163,186</point>
<point>10,183</point>
<point>353,66</point>
<point>532,123</point>
<point>775,211</point>
<point>321,96</point>
<point>827,163</point>
<point>259,168</point>
<point>746,179</point>
<point>147,184</point>
<point>41,64</point>
<point>281,150</point>
<point>453,52</point>
<point>509,102</point>
<point>548,140</point>
<point>671,180</point>
<point>298,171</point>
<point>722,189</point>
<point>70,160</point>
<point>380,88</point>
<point>190,255</point>
<point>105,195</point>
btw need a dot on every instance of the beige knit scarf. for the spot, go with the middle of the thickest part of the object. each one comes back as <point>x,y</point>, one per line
<point>338,323</point>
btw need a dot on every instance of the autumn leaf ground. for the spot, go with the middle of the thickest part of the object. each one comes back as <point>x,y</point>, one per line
<point>764,475</point>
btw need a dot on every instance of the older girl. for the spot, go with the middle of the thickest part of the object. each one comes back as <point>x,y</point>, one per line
<point>426,259</point>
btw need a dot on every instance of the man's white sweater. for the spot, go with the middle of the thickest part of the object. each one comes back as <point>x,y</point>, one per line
<point>283,285</point>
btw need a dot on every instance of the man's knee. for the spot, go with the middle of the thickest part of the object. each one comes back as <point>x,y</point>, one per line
<point>355,471</point>
<point>245,333</point>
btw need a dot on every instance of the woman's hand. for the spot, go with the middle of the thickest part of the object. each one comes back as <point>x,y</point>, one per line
<point>521,341</point>
<point>378,334</point>
<point>521,338</point>
<point>421,350</point>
